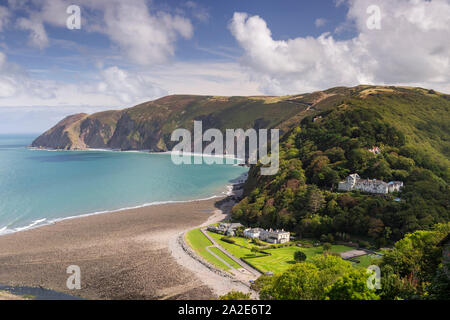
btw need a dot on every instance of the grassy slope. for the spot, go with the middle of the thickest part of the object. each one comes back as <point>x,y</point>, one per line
<point>422,116</point>
<point>199,242</point>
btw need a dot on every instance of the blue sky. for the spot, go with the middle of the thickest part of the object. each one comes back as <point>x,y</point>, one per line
<point>128,52</point>
<point>211,40</point>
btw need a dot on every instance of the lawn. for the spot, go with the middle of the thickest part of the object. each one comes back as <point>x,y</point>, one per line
<point>279,260</point>
<point>234,249</point>
<point>197,241</point>
<point>283,258</point>
<point>224,257</point>
<point>366,260</point>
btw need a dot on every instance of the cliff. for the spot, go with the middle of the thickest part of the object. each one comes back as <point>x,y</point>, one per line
<point>148,126</point>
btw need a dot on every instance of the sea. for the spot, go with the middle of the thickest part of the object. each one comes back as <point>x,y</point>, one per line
<point>39,187</point>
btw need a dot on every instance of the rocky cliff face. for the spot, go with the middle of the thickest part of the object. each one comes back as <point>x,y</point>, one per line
<point>61,136</point>
<point>80,131</point>
<point>148,126</point>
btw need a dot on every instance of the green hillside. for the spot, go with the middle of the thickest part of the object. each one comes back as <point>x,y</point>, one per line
<point>409,125</point>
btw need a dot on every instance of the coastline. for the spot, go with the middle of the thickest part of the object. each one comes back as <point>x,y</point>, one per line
<point>44,222</point>
<point>128,254</point>
<point>122,255</point>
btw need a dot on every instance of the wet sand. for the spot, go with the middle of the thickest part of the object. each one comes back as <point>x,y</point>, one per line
<point>129,254</point>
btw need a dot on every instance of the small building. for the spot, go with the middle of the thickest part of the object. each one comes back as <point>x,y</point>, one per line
<point>228,229</point>
<point>375,150</point>
<point>275,236</point>
<point>253,233</point>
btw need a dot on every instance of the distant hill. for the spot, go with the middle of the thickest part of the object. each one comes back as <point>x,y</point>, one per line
<point>148,126</point>
<point>421,114</point>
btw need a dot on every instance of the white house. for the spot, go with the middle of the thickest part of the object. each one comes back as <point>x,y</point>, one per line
<point>354,182</point>
<point>228,229</point>
<point>275,236</point>
<point>395,186</point>
<point>253,233</point>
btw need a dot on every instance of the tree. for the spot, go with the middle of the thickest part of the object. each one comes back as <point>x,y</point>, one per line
<point>352,286</point>
<point>299,256</point>
<point>376,227</point>
<point>307,280</point>
<point>315,199</point>
<point>235,295</point>
<point>326,246</point>
<point>301,282</point>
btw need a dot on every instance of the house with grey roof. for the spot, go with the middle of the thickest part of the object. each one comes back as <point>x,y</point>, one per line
<point>354,182</point>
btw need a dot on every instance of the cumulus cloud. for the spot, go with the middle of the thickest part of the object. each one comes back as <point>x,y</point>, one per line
<point>111,87</point>
<point>411,48</point>
<point>144,36</point>
<point>128,89</point>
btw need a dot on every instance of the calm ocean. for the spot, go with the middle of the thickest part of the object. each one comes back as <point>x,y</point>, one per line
<point>38,186</point>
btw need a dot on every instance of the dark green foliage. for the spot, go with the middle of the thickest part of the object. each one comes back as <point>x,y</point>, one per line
<point>228,239</point>
<point>299,256</point>
<point>235,295</point>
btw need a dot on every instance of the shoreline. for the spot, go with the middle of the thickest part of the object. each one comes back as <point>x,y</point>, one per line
<point>144,151</point>
<point>37,223</point>
<point>220,281</point>
<point>131,254</point>
<point>125,255</point>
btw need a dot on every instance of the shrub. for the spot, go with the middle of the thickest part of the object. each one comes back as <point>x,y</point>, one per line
<point>299,256</point>
<point>326,246</point>
<point>235,295</point>
<point>228,239</point>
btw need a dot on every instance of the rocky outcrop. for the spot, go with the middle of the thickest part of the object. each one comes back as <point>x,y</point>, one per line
<point>61,135</point>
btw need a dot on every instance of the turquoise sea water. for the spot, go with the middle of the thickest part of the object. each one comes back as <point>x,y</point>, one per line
<point>38,186</point>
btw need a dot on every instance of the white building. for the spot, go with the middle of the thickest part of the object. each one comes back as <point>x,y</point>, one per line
<point>354,182</point>
<point>228,229</point>
<point>253,233</point>
<point>275,236</point>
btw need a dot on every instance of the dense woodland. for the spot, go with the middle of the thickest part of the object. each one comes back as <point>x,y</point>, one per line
<point>323,149</point>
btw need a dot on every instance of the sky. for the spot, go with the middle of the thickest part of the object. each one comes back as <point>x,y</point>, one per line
<point>128,52</point>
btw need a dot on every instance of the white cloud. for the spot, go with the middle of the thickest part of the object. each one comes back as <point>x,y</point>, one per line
<point>128,89</point>
<point>38,37</point>
<point>412,48</point>
<point>144,36</point>
<point>4,17</point>
<point>199,12</point>
<point>115,87</point>
<point>320,22</point>
<point>207,78</point>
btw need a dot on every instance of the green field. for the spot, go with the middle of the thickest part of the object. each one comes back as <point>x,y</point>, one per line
<point>199,242</point>
<point>224,257</point>
<point>234,249</point>
<point>365,261</point>
<point>279,260</point>
<point>283,258</point>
